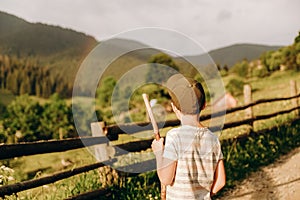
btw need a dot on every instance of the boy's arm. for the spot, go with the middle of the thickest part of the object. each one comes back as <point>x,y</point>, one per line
<point>219,178</point>
<point>166,168</point>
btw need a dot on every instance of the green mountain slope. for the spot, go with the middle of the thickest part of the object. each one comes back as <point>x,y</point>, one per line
<point>52,46</point>
<point>63,50</point>
<point>232,54</point>
<point>23,38</point>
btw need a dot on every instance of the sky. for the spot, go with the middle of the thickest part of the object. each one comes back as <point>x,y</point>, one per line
<point>211,23</point>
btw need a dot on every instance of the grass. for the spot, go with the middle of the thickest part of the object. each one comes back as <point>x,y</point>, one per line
<point>28,167</point>
<point>274,86</point>
<point>62,189</point>
<point>241,158</point>
<point>277,85</point>
<point>260,149</point>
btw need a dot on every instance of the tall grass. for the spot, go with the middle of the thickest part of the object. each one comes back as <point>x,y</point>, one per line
<point>259,149</point>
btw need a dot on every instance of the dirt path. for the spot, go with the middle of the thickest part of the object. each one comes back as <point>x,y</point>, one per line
<point>280,180</point>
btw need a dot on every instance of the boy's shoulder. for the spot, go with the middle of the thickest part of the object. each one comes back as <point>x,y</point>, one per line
<point>180,131</point>
<point>190,129</point>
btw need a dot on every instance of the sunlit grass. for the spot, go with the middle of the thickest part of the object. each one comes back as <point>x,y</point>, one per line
<point>277,85</point>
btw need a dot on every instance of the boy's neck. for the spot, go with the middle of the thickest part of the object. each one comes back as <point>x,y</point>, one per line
<point>191,120</point>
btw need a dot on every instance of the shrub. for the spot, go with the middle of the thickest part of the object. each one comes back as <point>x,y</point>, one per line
<point>235,87</point>
<point>260,72</point>
<point>241,68</point>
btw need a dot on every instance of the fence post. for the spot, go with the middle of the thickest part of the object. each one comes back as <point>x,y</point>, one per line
<point>247,100</point>
<point>293,86</point>
<point>102,151</point>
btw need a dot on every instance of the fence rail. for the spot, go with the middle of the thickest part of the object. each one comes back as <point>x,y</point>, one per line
<point>42,147</point>
<point>25,185</point>
<point>33,148</point>
<point>112,132</point>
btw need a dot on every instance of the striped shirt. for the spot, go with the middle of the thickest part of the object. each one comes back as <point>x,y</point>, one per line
<point>197,152</point>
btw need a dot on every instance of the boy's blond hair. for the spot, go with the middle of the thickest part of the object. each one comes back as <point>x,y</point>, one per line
<point>186,94</point>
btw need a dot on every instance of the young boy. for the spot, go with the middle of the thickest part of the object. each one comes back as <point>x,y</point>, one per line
<point>191,162</point>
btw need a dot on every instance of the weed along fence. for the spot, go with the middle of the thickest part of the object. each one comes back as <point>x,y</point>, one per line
<point>103,134</point>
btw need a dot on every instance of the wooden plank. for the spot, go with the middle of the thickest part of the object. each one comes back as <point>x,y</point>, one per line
<point>254,103</point>
<point>51,146</point>
<point>41,147</point>
<point>248,100</point>
<point>133,147</point>
<point>259,117</point>
<point>25,185</point>
<point>293,86</point>
<point>132,128</point>
<point>101,151</point>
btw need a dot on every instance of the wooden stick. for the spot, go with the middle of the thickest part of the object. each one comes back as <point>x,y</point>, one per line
<point>151,116</point>
<point>157,137</point>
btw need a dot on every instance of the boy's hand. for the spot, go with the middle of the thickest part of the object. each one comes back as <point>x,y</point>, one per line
<point>158,146</point>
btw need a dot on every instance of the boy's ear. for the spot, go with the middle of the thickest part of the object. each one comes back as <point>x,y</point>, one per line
<point>203,106</point>
<point>174,107</point>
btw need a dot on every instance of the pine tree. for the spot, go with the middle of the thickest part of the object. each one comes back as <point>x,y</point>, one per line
<point>46,88</point>
<point>38,89</point>
<point>25,87</point>
<point>12,83</point>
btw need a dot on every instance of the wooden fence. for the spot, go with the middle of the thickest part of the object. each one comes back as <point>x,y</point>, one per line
<point>112,132</point>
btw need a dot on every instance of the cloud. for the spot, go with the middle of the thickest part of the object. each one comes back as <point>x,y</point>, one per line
<point>212,23</point>
<point>224,15</point>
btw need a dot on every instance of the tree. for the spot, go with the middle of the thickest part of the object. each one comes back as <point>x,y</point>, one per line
<point>297,39</point>
<point>226,68</point>
<point>235,87</point>
<point>24,118</point>
<point>275,61</point>
<point>156,73</point>
<point>3,111</point>
<point>56,120</point>
<point>264,59</point>
<point>260,72</point>
<point>298,61</point>
<point>241,68</point>
<point>105,91</point>
<point>25,87</point>
<point>12,83</point>
<point>38,89</point>
<point>46,88</point>
<point>3,115</point>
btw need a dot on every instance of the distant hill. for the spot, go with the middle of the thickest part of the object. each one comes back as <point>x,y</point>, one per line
<point>53,46</point>
<point>223,56</point>
<point>63,50</point>
<point>132,54</point>
<point>232,54</point>
<point>20,37</point>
